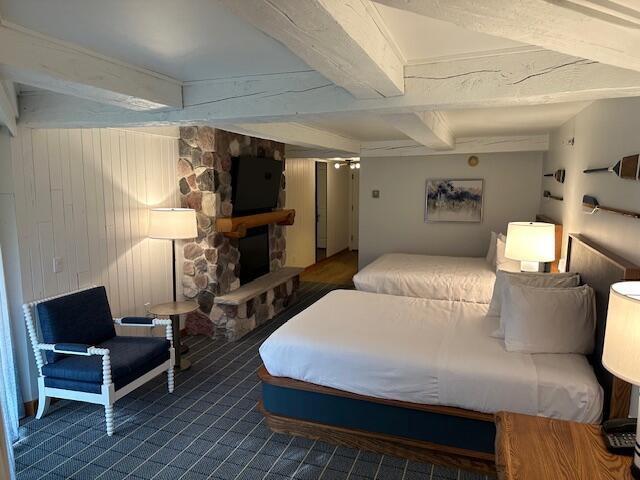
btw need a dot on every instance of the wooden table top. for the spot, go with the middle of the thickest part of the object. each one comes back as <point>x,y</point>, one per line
<point>534,448</point>
<point>173,308</point>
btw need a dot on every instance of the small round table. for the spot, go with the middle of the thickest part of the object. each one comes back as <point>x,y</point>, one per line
<point>173,310</point>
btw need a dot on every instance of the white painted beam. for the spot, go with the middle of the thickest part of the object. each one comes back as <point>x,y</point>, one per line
<point>529,78</point>
<point>342,39</point>
<point>8,111</point>
<point>430,129</point>
<point>605,31</point>
<point>33,59</point>
<point>492,144</point>
<point>297,134</point>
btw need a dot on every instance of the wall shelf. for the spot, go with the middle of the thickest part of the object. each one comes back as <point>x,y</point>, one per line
<point>236,227</point>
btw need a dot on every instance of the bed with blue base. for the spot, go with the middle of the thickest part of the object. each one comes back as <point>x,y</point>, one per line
<point>437,434</point>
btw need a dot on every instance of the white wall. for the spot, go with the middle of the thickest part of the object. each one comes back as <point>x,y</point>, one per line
<point>83,196</point>
<point>301,236</point>
<point>395,221</point>
<point>338,205</point>
<point>604,132</point>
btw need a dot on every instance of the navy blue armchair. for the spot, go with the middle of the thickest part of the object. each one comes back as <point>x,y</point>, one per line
<point>80,357</point>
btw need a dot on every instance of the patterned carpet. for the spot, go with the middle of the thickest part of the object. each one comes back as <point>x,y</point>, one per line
<point>207,429</point>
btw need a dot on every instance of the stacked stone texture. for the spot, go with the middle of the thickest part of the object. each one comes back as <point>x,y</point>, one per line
<point>212,261</point>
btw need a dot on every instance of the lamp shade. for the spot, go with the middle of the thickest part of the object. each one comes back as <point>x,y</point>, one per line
<point>531,242</point>
<point>621,354</point>
<point>172,223</point>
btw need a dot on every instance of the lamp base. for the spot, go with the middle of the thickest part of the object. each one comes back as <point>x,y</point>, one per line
<point>529,266</point>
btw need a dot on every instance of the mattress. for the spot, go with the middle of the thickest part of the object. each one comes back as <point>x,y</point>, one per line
<point>435,352</point>
<point>465,279</point>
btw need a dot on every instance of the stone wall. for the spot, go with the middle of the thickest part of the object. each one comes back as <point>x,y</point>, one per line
<point>212,261</point>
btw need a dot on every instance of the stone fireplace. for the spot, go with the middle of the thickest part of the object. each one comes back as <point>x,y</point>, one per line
<point>213,262</point>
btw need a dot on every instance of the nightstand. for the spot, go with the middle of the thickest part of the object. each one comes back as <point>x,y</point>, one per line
<point>538,448</point>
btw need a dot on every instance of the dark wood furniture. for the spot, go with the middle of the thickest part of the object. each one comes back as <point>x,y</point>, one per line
<point>534,448</point>
<point>236,227</point>
<point>290,405</point>
<point>558,238</point>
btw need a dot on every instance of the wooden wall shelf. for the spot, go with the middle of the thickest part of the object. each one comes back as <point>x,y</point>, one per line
<point>236,227</point>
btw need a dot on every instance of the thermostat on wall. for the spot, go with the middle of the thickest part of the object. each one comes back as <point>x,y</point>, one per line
<point>375,193</point>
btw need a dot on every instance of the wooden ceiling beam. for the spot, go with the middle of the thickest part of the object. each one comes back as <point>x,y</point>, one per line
<point>430,129</point>
<point>604,31</point>
<point>293,133</point>
<point>344,40</point>
<point>36,60</point>
<point>526,78</point>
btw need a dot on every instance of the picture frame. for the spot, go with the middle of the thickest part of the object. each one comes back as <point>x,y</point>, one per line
<point>454,200</point>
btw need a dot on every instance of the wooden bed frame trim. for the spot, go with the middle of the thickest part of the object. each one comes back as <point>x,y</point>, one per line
<point>416,450</point>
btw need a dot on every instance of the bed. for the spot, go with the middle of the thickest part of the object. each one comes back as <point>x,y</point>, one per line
<point>467,279</point>
<point>447,415</point>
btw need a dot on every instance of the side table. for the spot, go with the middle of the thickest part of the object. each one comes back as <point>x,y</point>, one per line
<point>173,310</point>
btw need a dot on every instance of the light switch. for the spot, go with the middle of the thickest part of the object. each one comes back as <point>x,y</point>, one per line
<point>58,264</point>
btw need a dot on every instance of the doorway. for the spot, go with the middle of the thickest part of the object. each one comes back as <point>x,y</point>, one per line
<point>321,211</point>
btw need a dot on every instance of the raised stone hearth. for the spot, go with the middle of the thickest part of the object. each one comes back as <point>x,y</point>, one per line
<point>258,301</point>
<point>212,261</point>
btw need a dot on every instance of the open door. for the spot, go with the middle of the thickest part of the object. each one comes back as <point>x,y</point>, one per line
<point>321,211</point>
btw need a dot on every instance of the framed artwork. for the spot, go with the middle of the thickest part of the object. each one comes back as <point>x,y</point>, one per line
<point>454,200</point>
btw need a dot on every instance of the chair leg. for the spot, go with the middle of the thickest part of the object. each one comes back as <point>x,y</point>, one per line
<point>43,406</point>
<point>170,379</point>
<point>108,416</point>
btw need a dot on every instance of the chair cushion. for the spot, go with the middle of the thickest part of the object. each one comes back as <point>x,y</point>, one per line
<point>82,317</point>
<point>131,357</point>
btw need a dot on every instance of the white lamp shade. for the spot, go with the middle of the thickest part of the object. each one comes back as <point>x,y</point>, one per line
<point>172,223</point>
<point>531,242</point>
<point>621,354</point>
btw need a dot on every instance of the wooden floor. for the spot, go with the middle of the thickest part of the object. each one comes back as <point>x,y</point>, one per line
<point>338,269</point>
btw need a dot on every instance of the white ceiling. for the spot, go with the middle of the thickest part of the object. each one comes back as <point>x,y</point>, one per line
<point>423,38</point>
<point>184,39</point>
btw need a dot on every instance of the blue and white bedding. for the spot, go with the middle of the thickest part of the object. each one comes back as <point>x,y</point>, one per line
<point>436,352</point>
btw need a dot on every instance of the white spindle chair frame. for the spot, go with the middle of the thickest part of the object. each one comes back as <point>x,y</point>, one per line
<point>108,395</point>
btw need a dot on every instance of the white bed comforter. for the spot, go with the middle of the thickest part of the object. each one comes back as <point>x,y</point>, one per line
<point>466,279</point>
<point>426,351</point>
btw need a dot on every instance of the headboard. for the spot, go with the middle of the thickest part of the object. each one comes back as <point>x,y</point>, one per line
<point>600,268</point>
<point>544,218</point>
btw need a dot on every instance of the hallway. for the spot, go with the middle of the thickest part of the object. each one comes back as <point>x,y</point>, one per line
<point>338,269</point>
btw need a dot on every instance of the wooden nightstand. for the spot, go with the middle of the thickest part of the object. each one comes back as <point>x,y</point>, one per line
<point>537,448</point>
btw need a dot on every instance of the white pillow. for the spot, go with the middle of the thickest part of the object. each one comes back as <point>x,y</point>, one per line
<point>541,280</point>
<point>549,320</point>
<point>502,262</point>
<point>491,253</point>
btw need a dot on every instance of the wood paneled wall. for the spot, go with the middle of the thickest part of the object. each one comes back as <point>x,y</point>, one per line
<point>83,196</point>
<point>301,196</point>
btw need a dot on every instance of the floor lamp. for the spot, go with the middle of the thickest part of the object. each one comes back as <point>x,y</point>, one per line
<point>173,224</point>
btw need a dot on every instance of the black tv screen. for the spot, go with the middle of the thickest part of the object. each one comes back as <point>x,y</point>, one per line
<point>255,184</point>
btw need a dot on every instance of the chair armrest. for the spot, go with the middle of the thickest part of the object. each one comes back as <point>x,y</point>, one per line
<point>141,321</point>
<point>73,349</point>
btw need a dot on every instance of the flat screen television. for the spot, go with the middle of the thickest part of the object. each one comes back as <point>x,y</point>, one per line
<point>255,184</point>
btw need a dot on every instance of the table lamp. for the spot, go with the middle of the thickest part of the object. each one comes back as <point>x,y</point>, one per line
<point>531,243</point>
<point>173,224</point>
<point>621,353</point>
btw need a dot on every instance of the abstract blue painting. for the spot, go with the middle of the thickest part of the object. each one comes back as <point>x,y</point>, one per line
<point>454,200</point>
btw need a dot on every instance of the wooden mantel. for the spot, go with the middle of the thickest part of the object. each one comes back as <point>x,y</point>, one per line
<point>236,227</point>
